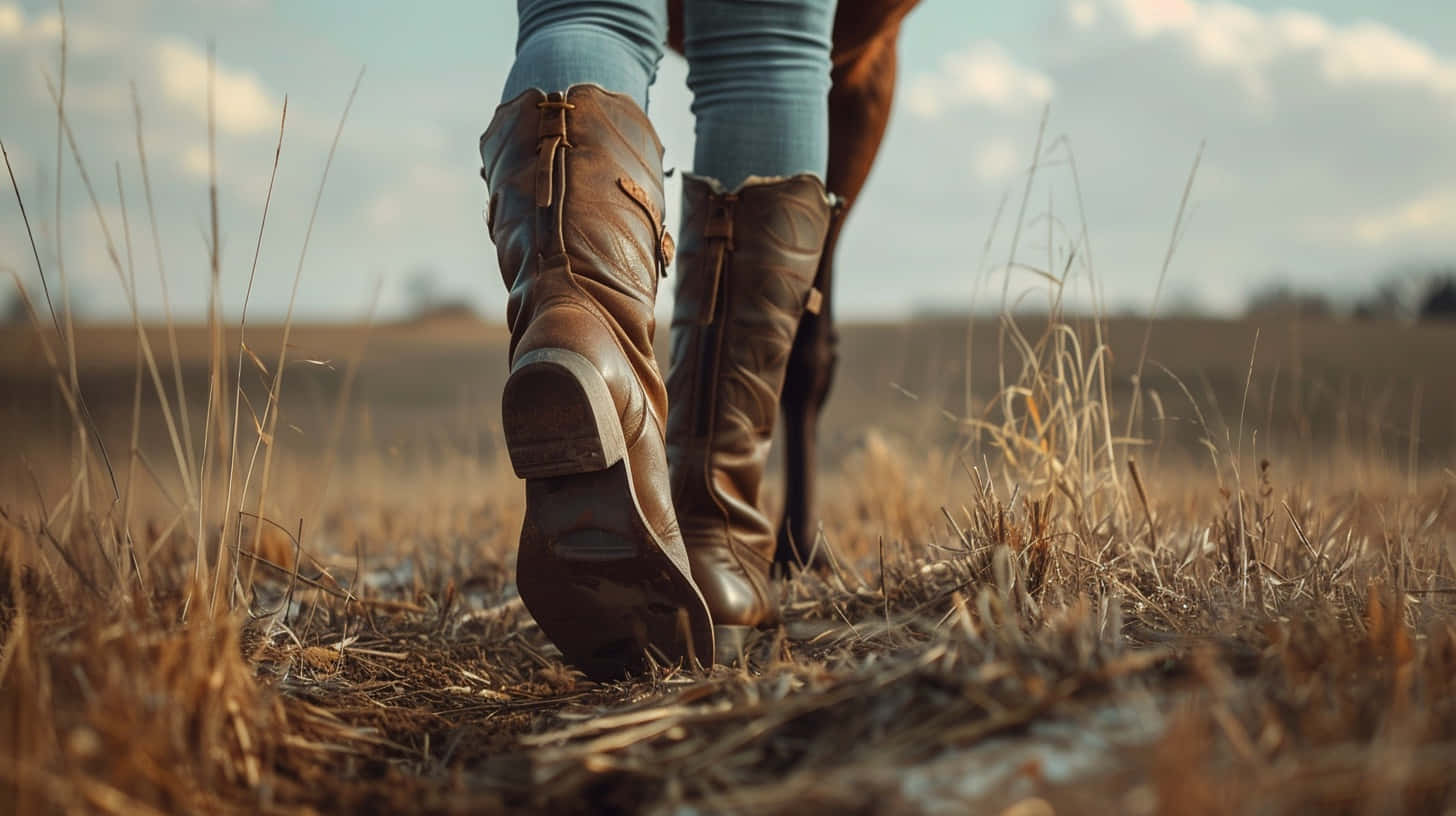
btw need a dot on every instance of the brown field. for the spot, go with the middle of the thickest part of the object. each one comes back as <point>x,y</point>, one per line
<point>1256,616</point>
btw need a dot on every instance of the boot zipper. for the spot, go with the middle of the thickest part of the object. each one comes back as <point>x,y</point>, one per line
<point>719,234</point>
<point>707,349</point>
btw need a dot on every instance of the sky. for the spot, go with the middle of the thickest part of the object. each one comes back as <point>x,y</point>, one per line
<point>1324,133</point>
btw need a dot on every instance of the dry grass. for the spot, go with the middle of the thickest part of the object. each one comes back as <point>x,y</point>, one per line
<point>1274,642</point>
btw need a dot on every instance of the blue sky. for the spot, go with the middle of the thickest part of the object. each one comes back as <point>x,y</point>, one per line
<point>1327,127</point>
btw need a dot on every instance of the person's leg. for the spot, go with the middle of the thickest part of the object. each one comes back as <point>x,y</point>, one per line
<point>755,215</point>
<point>576,201</point>
<point>616,44</point>
<point>759,73</point>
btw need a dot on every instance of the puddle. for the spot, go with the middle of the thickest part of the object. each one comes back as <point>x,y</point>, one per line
<point>1072,747</point>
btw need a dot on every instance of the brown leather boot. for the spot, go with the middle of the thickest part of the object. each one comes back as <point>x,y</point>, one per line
<point>745,277</point>
<point>576,215</point>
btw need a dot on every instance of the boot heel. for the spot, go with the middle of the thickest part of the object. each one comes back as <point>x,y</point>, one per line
<point>558,416</point>
<point>589,568</point>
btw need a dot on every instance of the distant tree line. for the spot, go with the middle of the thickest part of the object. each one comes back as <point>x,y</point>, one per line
<point>1428,294</point>
<point>1412,294</point>
<point>424,297</point>
<point>1441,301</point>
<point>429,301</point>
<point>12,309</point>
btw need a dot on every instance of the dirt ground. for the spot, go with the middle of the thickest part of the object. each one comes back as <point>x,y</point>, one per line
<point>1228,589</point>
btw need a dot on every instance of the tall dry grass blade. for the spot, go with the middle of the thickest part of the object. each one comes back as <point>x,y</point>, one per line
<point>68,334</point>
<point>1137,481</point>
<point>1237,450</point>
<point>62,384</point>
<point>336,423</point>
<point>215,415</point>
<point>244,352</point>
<point>271,407</point>
<point>1025,201</point>
<point>111,250</point>
<point>136,398</point>
<point>1137,384</point>
<point>1031,172</point>
<point>187,456</point>
<point>1099,316</point>
<point>1413,449</point>
<point>85,424</point>
<point>982,274</point>
<point>128,285</point>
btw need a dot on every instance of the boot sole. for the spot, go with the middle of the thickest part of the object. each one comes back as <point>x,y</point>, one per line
<point>589,569</point>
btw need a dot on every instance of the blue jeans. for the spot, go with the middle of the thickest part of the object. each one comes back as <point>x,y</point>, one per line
<point>758,70</point>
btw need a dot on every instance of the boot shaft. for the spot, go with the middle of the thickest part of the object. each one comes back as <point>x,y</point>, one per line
<point>575,212</point>
<point>746,270</point>
<point>576,205</point>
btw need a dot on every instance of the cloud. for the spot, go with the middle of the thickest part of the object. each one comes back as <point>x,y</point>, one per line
<point>1240,39</point>
<point>243,105</point>
<point>998,159</point>
<point>12,22</point>
<point>1433,212</point>
<point>385,211</point>
<point>1371,53</point>
<point>195,162</point>
<point>419,181</point>
<point>1327,154</point>
<point>84,37</point>
<point>1084,13</point>
<point>982,75</point>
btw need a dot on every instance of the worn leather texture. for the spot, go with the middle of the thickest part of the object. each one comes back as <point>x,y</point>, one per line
<point>746,267</point>
<point>575,212</point>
